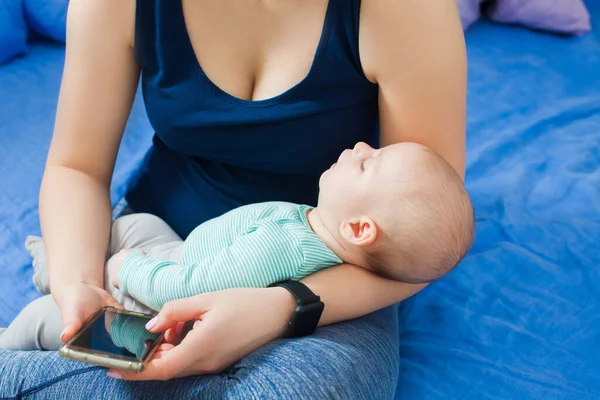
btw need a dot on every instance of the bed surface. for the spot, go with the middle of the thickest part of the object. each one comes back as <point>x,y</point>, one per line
<point>520,317</point>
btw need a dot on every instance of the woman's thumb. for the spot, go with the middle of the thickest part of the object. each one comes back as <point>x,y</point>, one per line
<point>74,314</point>
<point>71,324</point>
<point>182,310</point>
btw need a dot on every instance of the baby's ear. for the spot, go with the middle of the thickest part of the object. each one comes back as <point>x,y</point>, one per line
<point>360,231</point>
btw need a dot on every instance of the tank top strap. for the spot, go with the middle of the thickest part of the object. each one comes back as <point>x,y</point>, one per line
<point>161,38</point>
<point>345,15</point>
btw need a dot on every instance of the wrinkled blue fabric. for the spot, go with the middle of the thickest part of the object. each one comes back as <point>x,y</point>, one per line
<point>13,30</point>
<point>47,17</point>
<point>518,319</point>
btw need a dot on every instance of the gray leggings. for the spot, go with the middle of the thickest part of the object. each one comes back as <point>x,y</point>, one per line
<point>38,326</point>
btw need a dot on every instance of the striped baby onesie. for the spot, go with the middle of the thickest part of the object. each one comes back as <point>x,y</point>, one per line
<point>251,246</point>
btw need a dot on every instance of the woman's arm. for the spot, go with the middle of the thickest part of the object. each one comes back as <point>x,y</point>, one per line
<point>415,51</point>
<point>350,292</point>
<point>98,87</point>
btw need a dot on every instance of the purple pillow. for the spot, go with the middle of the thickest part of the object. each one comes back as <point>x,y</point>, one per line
<point>469,11</point>
<point>565,16</point>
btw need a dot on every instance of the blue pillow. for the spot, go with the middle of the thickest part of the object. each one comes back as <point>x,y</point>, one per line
<point>47,17</point>
<point>13,31</point>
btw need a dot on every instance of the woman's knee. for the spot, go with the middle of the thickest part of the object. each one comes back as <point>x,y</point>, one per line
<point>44,375</point>
<point>39,374</point>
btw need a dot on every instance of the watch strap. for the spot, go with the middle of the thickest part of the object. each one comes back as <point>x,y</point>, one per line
<point>308,311</point>
<point>299,290</point>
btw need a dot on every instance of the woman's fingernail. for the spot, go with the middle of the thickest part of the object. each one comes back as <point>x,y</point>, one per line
<point>179,329</point>
<point>115,375</point>
<point>152,323</point>
<point>64,331</point>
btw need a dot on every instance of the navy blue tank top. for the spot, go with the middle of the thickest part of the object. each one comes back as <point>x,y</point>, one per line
<point>213,152</point>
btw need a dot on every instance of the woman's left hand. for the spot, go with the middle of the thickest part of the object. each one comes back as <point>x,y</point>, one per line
<point>228,325</point>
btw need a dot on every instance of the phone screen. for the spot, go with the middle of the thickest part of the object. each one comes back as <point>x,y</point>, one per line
<point>119,334</point>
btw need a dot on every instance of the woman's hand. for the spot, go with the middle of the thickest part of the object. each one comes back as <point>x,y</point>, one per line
<point>77,302</point>
<point>228,325</point>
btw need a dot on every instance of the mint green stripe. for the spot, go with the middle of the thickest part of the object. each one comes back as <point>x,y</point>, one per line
<point>222,254</point>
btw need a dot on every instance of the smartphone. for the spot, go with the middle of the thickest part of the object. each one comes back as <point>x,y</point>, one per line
<point>114,338</point>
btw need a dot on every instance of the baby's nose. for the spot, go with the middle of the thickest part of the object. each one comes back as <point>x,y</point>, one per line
<point>360,147</point>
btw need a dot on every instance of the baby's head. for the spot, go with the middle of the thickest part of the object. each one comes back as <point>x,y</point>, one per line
<point>400,211</point>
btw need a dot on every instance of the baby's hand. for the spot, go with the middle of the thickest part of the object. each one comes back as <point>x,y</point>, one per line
<point>114,264</point>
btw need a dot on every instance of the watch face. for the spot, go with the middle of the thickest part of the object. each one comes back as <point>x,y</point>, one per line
<point>306,318</point>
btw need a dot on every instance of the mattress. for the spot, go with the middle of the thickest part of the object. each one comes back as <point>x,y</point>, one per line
<point>519,318</point>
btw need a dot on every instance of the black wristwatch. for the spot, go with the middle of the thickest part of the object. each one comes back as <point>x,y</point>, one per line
<point>308,311</point>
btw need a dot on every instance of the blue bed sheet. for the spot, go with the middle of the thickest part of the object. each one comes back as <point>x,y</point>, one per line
<point>520,317</point>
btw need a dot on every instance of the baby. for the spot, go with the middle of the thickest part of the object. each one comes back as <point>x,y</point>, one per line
<point>401,212</point>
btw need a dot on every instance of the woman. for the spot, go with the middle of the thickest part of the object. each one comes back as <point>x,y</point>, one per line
<point>250,101</point>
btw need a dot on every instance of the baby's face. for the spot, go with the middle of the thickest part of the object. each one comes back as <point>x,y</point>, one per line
<point>360,177</point>
<point>364,181</point>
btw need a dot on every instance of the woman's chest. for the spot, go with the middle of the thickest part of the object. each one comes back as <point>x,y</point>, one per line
<point>254,49</point>
<point>311,110</point>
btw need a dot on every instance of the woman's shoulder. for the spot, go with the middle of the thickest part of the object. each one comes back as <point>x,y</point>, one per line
<point>100,16</point>
<point>402,26</point>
